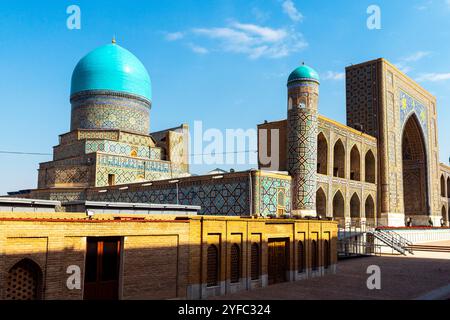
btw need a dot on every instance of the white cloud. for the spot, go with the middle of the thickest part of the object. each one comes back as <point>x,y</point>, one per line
<point>253,40</point>
<point>290,9</point>
<point>416,56</point>
<point>332,75</point>
<point>174,36</point>
<point>198,49</point>
<point>433,77</point>
<point>404,63</point>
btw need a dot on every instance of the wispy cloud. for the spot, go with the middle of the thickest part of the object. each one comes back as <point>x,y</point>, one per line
<point>417,56</point>
<point>291,10</point>
<point>260,15</point>
<point>252,40</point>
<point>174,36</point>
<point>198,49</point>
<point>424,5</point>
<point>433,77</point>
<point>404,63</point>
<point>332,75</point>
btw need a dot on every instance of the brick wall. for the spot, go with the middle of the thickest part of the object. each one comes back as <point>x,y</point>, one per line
<point>162,257</point>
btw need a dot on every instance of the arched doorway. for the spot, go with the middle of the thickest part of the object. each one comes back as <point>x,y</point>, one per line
<point>415,190</point>
<point>24,281</point>
<point>339,160</point>
<point>448,187</point>
<point>444,213</point>
<point>322,154</point>
<point>370,167</point>
<point>443,193</point>
<point>370,210</point>
<point>339,208</point>
<point>355,164</point>
<point>321,203</point>
<point>355,207</point>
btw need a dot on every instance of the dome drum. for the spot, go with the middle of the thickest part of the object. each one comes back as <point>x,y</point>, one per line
<point>109,110</point>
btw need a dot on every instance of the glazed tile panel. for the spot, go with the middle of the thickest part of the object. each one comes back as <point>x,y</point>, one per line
<point>408,106</point>
<point>123,149</point>
<point>268,195</point>
<point>229,198</point>
<point>110,111</point>
<point>129,170</point>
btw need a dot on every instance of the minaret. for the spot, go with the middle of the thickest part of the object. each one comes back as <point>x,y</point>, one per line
<point>302,130</point>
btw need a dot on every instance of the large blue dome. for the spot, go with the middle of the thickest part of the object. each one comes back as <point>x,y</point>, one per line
<point>114,68</point>
<point>304,73</point>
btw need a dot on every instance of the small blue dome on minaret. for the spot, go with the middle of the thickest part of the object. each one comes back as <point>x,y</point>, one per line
<point>304,73</point>
<point>112,68</point>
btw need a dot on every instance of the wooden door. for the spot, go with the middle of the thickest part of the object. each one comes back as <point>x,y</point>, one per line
<point>102,269</point>
<point>278,260</point>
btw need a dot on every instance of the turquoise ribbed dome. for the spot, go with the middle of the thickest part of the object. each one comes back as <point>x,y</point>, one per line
<point>304,73</point>
<point>114,68</point>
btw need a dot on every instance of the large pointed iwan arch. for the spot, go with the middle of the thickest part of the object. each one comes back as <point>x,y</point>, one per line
<point>415,174</point>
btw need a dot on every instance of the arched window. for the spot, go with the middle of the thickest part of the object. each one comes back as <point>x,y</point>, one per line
<point>355,206</point>
<point>370,167</point>
<point>322,154</point>
<point>24,281</point>
<point>281,202</point>
<point>326,254</point>
<point>290,103</point>
<point>339,160</point>
<point>338,205</point>
<point>255,262</point>
<point>443,193</point>
<point>321,203</point>
<point>212,277</point>
<point>301,257</point>
<point>235,264</point>
<point>355,164</point>
<point>314,255</point>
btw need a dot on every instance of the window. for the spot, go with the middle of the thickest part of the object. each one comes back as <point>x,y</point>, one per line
<point>212,277</point>
<point>301,257</point>
<point>23,281</point>
<point>111,179</point>
<point>255,262</point>
<point>235,263</point>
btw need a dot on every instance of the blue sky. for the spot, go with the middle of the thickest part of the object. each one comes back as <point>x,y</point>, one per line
<point>221,61</point>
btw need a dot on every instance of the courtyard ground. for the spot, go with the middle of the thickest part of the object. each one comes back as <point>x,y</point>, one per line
<point>426,275</point>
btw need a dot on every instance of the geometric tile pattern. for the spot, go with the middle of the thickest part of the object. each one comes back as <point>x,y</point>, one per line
<point>269,188</point>
<point>409,105</point>
<point>302,156</point>
<point>109,110</point>
<point>216,198</point>
<point>130,170</point>
<point>122,149</point>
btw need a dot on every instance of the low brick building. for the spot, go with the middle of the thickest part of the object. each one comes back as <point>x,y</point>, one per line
<point>43,255</point>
